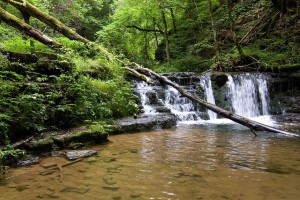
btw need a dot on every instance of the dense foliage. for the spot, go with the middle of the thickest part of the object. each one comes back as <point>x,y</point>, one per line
<point>73,87</point>
<point>266,32</point>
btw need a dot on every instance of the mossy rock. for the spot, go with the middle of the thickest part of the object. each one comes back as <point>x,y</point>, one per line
<point>286,68</point>
<point>39,146</point>
<point>55,67</point>
<point>219,78</point>
<point>99,72</point>
<point>84,138</point>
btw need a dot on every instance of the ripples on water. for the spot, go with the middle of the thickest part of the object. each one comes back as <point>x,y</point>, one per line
<point>188,162</point>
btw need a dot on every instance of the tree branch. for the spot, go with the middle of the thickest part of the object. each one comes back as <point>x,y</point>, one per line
<point>145,29</point>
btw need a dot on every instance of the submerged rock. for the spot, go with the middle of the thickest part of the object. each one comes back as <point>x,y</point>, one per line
<point>28,160</point>
<point>79,190</point>
<point>72,155</point>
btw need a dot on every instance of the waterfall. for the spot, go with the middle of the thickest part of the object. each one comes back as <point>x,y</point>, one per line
<point>245,94</point>
<point>264,94</point>
<point>182,107</point>
<point>248,94</point>
<point>206,84</point>
<point>142,89</point>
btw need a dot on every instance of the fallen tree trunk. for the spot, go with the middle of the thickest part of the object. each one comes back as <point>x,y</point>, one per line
<point>31,10</point>
<point>253,125</point>
<point>25,28</point>
<point>25,7</point>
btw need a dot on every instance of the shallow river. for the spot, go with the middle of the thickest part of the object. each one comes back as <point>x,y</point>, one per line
<point>186,162</point>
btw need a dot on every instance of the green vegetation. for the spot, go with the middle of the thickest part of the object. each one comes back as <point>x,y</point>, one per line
<point>8,157</point>
<point>45,88</point>
<point>267,33</point>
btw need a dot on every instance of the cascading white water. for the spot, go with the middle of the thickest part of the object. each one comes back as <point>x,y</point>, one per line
<point>142,89</point>
<point>264,94</point>
<point>248,94</point>
<point>182,107</point>
<point>206,85</point>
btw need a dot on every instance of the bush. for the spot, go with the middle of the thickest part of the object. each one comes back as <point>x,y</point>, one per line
<point>19,44</point>
<point>8,157</point>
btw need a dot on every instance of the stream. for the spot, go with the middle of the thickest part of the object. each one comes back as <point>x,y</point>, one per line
<point>195,161</point>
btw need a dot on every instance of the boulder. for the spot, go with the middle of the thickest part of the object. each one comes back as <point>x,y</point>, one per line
<point>153,100</point>
<point>219,78</point>
<point>146,123</point>
<point>73,155</point>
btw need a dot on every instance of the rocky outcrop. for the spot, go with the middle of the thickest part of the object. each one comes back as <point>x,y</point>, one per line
<point>145,123</point>
<point>219,78</point>
<point>70,139</point>
<point>284,89</point>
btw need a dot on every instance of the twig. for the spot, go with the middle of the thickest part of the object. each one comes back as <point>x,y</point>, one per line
<point>52,168</point>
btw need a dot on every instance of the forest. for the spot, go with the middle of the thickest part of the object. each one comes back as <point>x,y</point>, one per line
<point>62,61</point>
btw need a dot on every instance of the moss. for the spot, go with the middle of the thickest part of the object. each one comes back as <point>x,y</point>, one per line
<point>45,66</point>
<point>89,136</point>
<point>81,139</point>
<point>40,146</point>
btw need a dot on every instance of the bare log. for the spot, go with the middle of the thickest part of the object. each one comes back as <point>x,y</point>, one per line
<point>139,75</point>
<point>253,125</point>
<point>52,168</point>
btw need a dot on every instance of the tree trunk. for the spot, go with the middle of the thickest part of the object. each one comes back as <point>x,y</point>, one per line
<point>280,5</point>
<point>214,30</point>
<point>297,14</point>
<point>33,11</point>
<point>234,117</point>
<point>25,28</point>
<point>13,21</point>
<point>232,24</point>
<point>173,19</point>
<point>166,35</point>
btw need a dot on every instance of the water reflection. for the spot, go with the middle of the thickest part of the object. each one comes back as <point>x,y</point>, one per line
<point>187,162</point>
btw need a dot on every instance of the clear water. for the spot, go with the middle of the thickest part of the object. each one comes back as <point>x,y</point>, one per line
<point>205,161</point>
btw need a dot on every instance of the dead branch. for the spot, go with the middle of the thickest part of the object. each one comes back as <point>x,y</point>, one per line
<point>53,167</point>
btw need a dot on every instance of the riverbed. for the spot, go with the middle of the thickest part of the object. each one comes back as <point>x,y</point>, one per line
<point>195,161</point>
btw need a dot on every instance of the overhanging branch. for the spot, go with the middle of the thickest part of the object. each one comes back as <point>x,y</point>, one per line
<point>144,29</point>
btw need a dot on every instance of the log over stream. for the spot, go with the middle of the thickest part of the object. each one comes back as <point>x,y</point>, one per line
<point>253,125</point>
